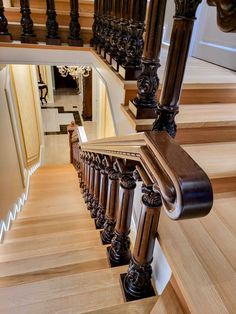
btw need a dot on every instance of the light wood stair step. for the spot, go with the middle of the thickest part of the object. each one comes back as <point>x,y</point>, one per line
<point>202,256</point>
<point>77,293</point>
<point>143,306</point>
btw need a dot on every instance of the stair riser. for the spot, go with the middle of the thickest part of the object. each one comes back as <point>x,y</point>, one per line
<point>39,18</point>
<point>60,5</point>
<point>195,96</point>
<point>40,32</point>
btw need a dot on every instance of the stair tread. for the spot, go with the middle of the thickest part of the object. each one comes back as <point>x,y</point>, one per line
<point>201,253</point>
<point>72,293</point>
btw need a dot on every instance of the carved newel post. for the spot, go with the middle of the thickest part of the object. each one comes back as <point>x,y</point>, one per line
<point>112,205</point>
<point>145,104</point>
<point>175,66</point>
<point>4,34</point>
<point>137,282</point>
<point>53,37</point>
<point>131,68</point>
<point>119,251</point>
<point>97,179</point>
<point>102,203</point>
<point>27,24</point>
<point>74,38</point>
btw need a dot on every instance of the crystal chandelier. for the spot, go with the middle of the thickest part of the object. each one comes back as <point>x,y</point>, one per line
<point>74,71</point>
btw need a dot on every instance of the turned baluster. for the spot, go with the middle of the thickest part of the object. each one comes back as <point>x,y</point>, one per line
<point>119,251</point>
<point>131,68</point>
<point>94,40</point>
<point>112,206</point>
<point>100,220</point>
<point>74,38</point>
<point>27,24</point>
<point>86,174</point>
<point>114,35</point>
<point>91,183</point>
<point>4,34</point>
<point>100,28</point>
<point>175,66</point>
<point>53,37</point>
<point>110,12</point>
<point>123,33</point>
<point>88,168</point>
<point>97,179</point>
<point>145,104</point>
<point>137,282</point>
<point>106,9</point>
<point>82,166</point>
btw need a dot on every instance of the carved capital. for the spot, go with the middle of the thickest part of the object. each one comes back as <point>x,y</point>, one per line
<point>127,182</point>
<point>186,8</point>
<point>150,198</point>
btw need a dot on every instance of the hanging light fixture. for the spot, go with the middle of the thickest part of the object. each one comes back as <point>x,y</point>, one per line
<point>74,71</point>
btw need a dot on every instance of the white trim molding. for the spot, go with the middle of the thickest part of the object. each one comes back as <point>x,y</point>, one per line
<point>17,207</point>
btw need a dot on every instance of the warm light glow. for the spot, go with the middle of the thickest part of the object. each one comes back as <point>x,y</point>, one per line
<point>74,71</point>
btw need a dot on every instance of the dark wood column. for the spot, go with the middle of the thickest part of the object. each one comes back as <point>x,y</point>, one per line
<point>74,38</point>
<point>119,251</point>
<point>175,66</point>
<point>102,195</point>
<point>85,174</point>
<point>97,179</point>
<point>53,37</point>
<point>4,34</point>
<point>107,27</point>
<point>82,167</point>
<point>112,206</point>
<point>27,35</point>
<point>88,162</point>
<point>137,281</point>
<point>94,40</point>
<point>91,183</point>
<point>88,97</point>
<point>122,35</point>
<point>145,104</point>
<point>102,24</point>
<point>114,35</point>
<point>131,68</point>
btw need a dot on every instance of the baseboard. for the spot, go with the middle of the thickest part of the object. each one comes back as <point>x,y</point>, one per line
<point>17,207</point>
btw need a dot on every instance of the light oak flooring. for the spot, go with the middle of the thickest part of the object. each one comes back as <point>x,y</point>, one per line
<point>52,259</point>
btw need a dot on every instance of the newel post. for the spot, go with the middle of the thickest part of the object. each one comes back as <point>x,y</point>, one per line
<point>145,104</point>
<point>4,34</point>
<point>119,251</point>
<point>137,282</point>
<point>53,37</point>
<point>74,38</point>
<point>27,24</point>
<point>175,66</point>
<point>112,206</point>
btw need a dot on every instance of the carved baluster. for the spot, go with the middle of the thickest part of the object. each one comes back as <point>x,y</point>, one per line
<point>119,251</point>
<point>82,166</point>
<point>114,35</point>
<point>91,184</point>
<point>123,34</point>
<point>74,38</point>
<point>102,8</point>
<point>53,37</point>
<point>175,66</point>
<point>108,29</point>
<point>137,282</point>
<point>4,34</point>
<point>27,24</point>
<point>105,26</point>
<point>88,169</point>
<point>131,68</point>
<point>112,205</point>
<point>103,194</point>
<point>145,104</point>
<point>94,40</point>
<point>98,164</point>
<point>85,174</point>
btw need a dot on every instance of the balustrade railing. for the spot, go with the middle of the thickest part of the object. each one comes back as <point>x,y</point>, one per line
<point>171,181</point>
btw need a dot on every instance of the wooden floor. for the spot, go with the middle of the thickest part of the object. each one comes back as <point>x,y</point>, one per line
<point>52,259</point>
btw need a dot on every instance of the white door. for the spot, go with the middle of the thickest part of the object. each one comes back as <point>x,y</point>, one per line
<point>210,43</point>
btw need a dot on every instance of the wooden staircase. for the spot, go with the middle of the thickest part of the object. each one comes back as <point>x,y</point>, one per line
<point>52,260</point>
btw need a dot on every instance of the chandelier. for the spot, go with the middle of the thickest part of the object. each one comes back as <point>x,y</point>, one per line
<point>74,71</point>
